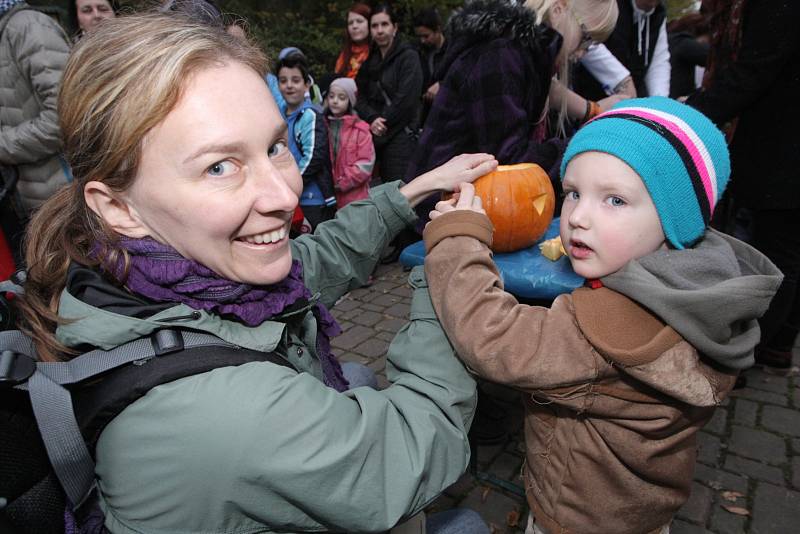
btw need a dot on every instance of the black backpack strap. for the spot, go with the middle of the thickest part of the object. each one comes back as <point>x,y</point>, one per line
<point>98,402</point>
<point>52,404</point>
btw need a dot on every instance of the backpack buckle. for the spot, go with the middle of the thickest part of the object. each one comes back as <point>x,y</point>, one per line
<point>15,368</point>
<point>166,341</point>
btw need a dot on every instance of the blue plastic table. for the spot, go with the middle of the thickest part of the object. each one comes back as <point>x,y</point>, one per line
<point>525,273</point>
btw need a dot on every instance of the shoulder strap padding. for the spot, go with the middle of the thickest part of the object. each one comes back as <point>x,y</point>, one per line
<point>99,401</point>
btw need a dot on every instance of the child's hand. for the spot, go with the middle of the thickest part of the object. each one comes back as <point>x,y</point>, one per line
<point>464,199</point>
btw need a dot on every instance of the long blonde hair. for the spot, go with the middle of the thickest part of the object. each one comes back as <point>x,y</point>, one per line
<point>600,17</point>
<point>120,82</point>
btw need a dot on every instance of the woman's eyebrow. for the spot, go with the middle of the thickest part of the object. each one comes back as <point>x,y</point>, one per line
<point>214,148</point>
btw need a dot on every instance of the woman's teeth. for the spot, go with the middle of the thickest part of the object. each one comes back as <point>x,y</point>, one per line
<point>267,237</point>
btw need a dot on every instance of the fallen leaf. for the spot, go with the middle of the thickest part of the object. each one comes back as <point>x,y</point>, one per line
<point>485,493</point>
<point>512,518</point>
<point>731,495</point>
<point>715,485</point>
<point>738,510</point>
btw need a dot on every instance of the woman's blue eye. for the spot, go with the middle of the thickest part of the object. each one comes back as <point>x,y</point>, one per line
<point>221,168</point>
<point>616,201</point>
<point>277,149</point>
<point>571,195</point>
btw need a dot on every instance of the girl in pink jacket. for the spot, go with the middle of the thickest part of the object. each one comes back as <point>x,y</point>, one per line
<point>350,142</point>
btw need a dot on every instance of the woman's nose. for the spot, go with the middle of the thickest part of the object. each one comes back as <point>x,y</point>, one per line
<point>273,190</point>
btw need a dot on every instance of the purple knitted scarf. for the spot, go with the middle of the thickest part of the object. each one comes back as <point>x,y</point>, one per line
<point>158,272</point>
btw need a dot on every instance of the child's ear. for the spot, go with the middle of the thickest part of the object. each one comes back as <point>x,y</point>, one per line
<point>115,211</point>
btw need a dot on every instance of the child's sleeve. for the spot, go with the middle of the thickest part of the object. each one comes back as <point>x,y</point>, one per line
<point>316,160</point>
<point>358,166</point>
<point>527,347</point>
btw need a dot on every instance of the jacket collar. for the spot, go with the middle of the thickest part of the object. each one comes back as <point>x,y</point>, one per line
<point>102,315</point>
<point>486,20</point>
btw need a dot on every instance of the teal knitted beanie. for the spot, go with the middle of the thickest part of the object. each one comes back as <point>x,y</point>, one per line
<point>680,155</point>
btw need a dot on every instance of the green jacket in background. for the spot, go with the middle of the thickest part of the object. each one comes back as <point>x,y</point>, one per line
<point>261,448</point>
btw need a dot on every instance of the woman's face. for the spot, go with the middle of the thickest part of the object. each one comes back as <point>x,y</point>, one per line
<point>216,180</point>
<point>91,12</point>
<point>382,29</point>
<point>357,27</point>
<point>572,24</point>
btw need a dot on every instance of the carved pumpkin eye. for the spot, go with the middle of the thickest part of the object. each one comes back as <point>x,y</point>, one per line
<point>519,200</point>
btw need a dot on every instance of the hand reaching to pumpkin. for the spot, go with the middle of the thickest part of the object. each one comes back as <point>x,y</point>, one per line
<point>464,199</point>
<point>446,177</point>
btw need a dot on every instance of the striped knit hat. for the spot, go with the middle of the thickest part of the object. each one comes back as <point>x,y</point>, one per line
<point>680,155</point>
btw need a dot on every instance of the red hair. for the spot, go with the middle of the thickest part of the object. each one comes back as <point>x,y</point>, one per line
<point>365,11</point>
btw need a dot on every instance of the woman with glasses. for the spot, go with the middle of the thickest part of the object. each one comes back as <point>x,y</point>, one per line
<point>496,78</point>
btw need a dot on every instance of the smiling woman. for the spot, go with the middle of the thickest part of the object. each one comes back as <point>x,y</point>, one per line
<point>177,218</point>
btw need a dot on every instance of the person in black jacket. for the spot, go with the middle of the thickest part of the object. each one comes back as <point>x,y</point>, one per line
<point>389,89</point>
<point>432,48</point>
<point>754,74</point>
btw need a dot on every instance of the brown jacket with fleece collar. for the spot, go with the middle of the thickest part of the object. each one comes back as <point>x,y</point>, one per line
<point>614,396</point>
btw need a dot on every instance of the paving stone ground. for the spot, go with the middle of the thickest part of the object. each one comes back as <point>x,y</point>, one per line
<point>748,454</point>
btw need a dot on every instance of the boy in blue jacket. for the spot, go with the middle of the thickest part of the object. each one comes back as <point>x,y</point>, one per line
<point>308,139</point>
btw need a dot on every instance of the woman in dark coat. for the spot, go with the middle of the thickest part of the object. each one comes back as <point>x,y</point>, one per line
<point>496,78</point>
<point>389,85</point>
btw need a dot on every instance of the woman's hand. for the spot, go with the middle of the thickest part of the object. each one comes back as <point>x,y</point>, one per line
<point>378,127</point>
<point>464,199</point>
<point>463,168</point>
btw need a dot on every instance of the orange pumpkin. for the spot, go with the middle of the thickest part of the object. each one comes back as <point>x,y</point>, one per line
<point>519,200</point>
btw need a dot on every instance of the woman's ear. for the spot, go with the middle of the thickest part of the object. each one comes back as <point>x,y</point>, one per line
<point>115,211</point>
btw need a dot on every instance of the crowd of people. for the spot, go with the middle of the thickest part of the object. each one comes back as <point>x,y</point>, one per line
<point>661,137</point>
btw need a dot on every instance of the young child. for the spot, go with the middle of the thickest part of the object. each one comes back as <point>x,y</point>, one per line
<point>350,142</point>
<point>307,139</point>
<point>618,376</point>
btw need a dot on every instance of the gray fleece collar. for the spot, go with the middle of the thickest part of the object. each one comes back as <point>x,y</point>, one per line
<point>711,294</point>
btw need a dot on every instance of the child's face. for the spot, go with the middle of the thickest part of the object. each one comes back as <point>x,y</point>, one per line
<point>292,86</point>
<point>338,102</point>
<point>608,217</point>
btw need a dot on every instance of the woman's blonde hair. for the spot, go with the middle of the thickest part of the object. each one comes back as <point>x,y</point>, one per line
<point>120,82</point>
<point>599,17</point>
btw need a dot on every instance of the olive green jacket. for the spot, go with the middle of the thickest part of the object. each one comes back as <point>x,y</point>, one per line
<point>261,448</point>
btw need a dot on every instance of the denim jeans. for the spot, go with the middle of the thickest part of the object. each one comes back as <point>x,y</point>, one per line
<point>456,521</point>
<point>358,375</point>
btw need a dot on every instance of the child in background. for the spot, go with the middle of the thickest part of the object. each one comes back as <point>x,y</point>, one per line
<point>350,141</point>
<point>620,375</point>
<point>308,138</point>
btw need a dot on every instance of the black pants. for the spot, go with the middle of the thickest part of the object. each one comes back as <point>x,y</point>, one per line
<point>393,156</point>
<point>776,233</point>
<point>318,214</point>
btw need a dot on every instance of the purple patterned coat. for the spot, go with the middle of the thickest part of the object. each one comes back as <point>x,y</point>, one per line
<point>495,81</point>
